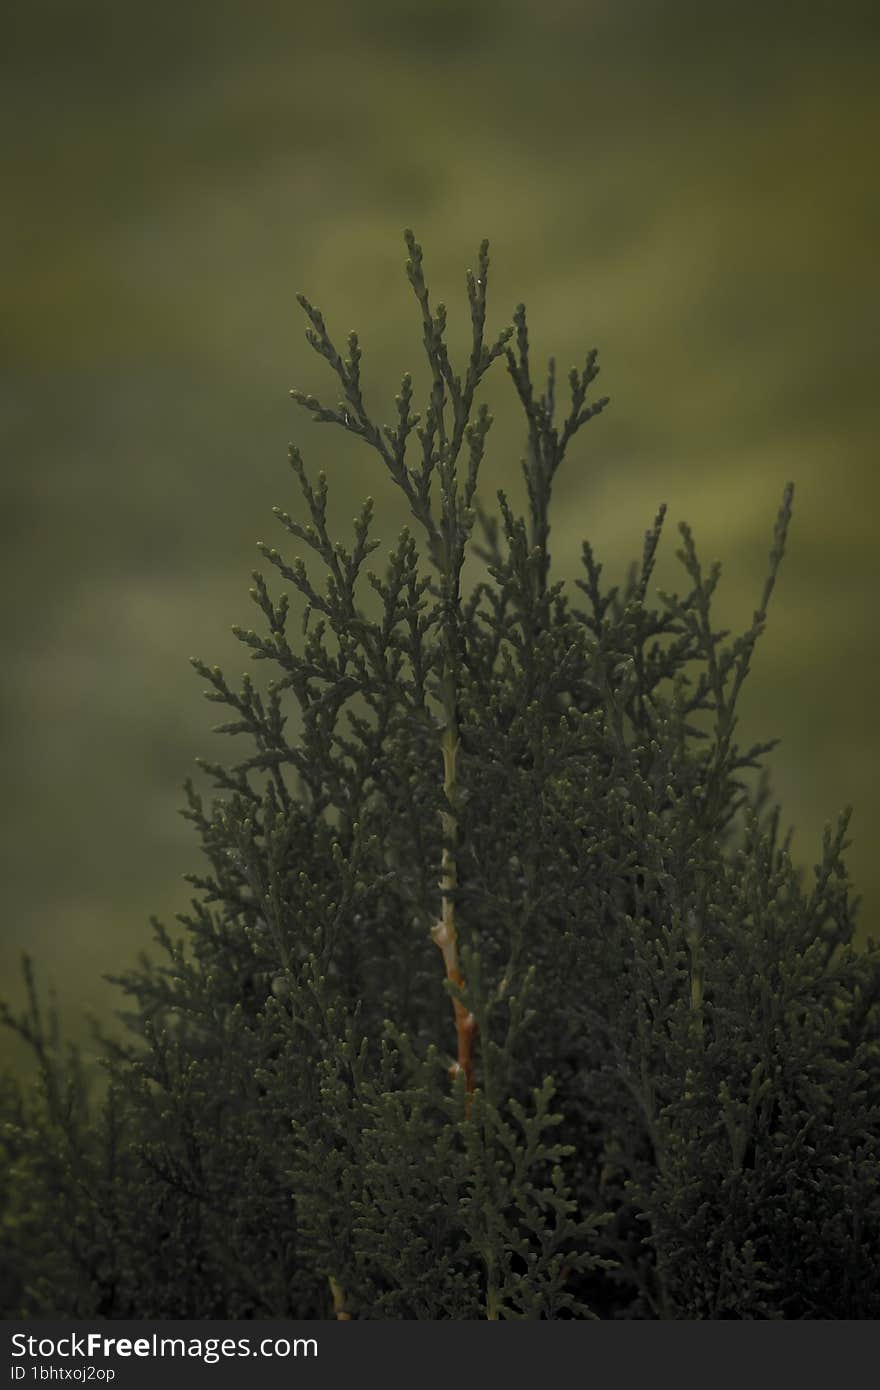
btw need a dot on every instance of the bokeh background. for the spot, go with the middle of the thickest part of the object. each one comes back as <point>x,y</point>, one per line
<point>691,187</point>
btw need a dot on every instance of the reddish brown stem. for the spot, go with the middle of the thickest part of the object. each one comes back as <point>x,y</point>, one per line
<point>444,932</point>
<point>338,1301</point>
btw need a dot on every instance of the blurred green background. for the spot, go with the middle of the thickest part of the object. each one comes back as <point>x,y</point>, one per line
<point>691,187</point>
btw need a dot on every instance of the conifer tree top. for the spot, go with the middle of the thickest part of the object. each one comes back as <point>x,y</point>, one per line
<point>499,995</point>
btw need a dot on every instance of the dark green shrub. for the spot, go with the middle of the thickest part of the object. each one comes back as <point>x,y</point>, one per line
<point>648,1086</point>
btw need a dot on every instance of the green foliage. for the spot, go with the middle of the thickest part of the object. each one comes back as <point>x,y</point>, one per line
<point>648,1084</point>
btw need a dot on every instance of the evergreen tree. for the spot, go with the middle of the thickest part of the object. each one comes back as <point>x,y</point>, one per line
<point>500,996</point>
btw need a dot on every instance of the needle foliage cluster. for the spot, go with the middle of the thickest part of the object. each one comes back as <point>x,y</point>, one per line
<point>499,995</point>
